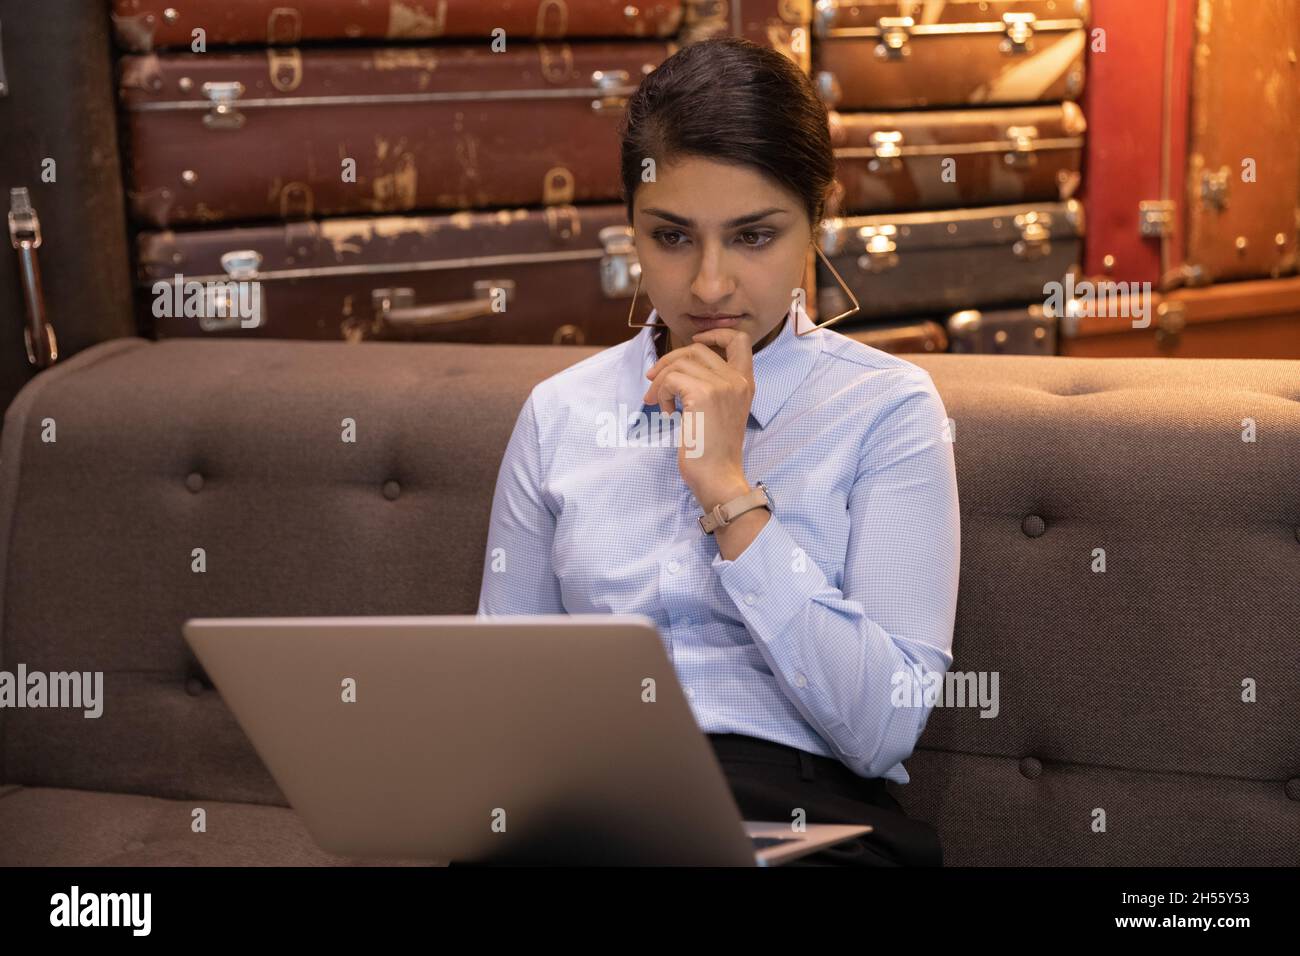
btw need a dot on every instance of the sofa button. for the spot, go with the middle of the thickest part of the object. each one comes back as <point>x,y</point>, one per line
<point>193,686</point>
<point>1031,768</point>
<point>1033,526</point>
<point>194,481</point>
<point>391,490</point>
<point>1292,788</point>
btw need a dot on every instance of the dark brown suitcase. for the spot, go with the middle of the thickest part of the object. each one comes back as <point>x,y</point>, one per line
<point>941,159</point>
<point>145,25</point>
<point>217,137</point>
<point>900,338</point>
<point>60,146</point>
<point>898,54</point>
<point>1259,319</point>
<point>927,262</point>
<point>783,25</point>
<point>560,275</point>
<point>1243,172</point>
<point>1029,330</point>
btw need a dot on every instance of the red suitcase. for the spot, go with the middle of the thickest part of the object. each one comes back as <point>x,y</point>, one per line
<point>144,25</point>
<point>217,137</point>
<point>560,275</point>
<point>1134,162</point>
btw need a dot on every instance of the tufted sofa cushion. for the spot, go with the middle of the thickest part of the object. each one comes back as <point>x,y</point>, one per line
<point>1120,691</point>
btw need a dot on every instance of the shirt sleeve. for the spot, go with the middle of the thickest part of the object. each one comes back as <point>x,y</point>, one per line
<point>517,574</point>
<point>842,655</point>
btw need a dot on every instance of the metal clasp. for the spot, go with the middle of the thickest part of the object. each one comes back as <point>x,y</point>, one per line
<point>880,249</point>
<point>1035,236</point>
<point>1022,154</point>
<point>1020,32</point>
<point>223,114</point>
<point>887,144</point>
<point>1156,218</point>
<point>895,32</point>
<point>619,267</point>
<point>607,82</point>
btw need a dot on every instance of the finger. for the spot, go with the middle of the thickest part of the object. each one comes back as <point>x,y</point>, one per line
<point>737,345</point>
<point>673,384</point>
<point>696,350</point>
<point>690,368</point>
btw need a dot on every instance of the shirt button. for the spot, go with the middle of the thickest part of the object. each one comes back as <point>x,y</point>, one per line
<point>750,599</point>
<point>690,692</point>
<point>673,567</point>
<point>800,680</point>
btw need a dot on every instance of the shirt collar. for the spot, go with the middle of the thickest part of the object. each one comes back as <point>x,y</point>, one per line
<point>780,367</point>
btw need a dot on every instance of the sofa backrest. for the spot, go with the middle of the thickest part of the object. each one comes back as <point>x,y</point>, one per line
<point>1120,691</point>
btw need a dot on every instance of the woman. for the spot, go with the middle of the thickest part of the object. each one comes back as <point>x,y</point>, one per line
<point>801,627</point>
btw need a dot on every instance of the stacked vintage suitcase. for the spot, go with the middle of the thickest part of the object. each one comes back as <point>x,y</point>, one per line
<point>959,145</point>
<point>447,169</point>
<point>1192,183</point>
<point>434,169</point>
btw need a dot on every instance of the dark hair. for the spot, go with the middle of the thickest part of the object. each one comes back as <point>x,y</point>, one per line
<point>731,100</point>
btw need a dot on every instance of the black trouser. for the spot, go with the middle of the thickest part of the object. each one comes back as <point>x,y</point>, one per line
<point>770,781</point>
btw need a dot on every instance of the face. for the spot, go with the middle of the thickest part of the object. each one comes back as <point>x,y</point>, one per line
<point>716,239</point>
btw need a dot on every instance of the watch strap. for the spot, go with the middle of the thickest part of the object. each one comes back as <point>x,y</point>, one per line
<point>727,512</point>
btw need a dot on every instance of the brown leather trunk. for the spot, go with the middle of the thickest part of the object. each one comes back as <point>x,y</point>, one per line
<point>897,54</point>
<point>937,159</point>
<point>901,338</point>
<point>145,25</point>
<point>290,134</point>
<point>1029,330</point>
<point>921,263</point>
<point>1243,173</point>
<point>1259,319</point>
<point>783,25</point>
<point>561,275</point>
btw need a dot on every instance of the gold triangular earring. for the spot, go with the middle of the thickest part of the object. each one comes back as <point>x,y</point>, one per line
<point>843,285</point>
<point>632,309</point>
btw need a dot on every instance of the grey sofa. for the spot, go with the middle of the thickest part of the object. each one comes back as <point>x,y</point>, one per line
<point>1121,692</point>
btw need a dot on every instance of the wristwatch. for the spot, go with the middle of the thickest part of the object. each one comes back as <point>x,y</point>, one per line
<point>727,512</point>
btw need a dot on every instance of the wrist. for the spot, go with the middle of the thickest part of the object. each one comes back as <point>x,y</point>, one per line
<point>722,492</point>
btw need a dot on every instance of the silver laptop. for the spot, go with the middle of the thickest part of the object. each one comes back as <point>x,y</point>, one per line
<point>516,739</point>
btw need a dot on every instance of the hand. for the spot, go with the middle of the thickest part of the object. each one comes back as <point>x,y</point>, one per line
<point>719,391</point>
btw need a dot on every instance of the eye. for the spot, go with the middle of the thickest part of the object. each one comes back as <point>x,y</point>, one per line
<point>662,238</point>
<point>755,239</point>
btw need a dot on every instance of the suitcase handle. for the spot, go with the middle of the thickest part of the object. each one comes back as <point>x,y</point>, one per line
<point>396,307</point>
<point>25,234</point>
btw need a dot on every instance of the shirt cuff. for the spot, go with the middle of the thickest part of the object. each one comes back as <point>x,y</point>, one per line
<point>773,578</point>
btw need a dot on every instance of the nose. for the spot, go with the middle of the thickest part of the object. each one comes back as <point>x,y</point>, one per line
<point>713,282</point>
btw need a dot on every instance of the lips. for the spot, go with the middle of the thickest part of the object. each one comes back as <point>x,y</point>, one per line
<point>716,321</point>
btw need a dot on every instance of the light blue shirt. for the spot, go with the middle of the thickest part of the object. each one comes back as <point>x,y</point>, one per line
<point>847,594</point>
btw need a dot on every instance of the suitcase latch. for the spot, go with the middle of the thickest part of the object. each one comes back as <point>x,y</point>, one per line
<point>223,114</point>
<point>241,263</point>
<point>881,251</point>
<point>1019,28</point>
<point>1021,155</point>
<point>895,32</point>
<point>1035,236</point>
<point>887,144</point>
<point>612,87</point>
<point>1214,188</point>
<point>1156,218</point>
<point>619,267</point>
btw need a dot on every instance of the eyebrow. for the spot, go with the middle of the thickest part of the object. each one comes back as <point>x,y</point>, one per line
<point>738,221</point>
